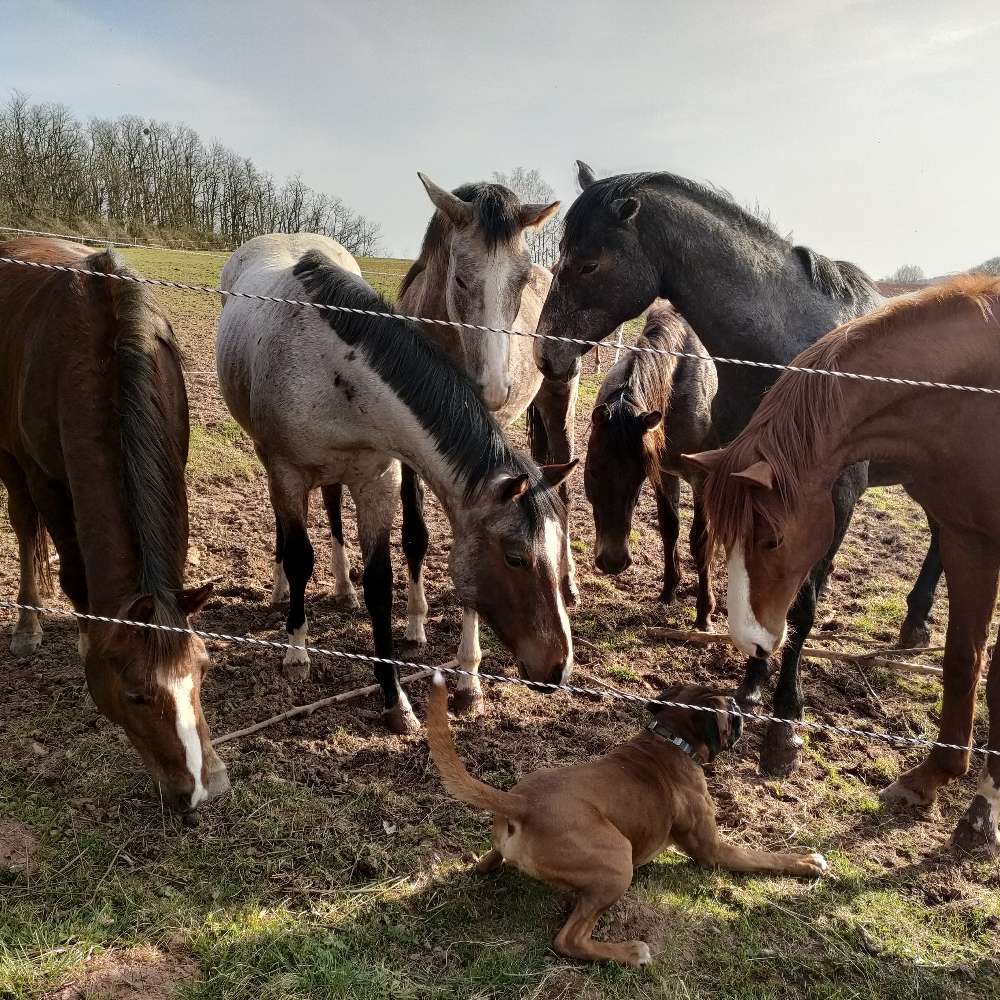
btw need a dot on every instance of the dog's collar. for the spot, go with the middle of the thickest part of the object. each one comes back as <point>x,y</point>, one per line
<point>658,729</point>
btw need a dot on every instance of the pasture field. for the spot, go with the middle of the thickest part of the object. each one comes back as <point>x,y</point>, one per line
<point>338,867</point>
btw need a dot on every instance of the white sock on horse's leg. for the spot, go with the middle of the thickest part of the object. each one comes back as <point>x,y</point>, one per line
<point>343,589</point>
<point>300,637</point>
<point>416,610</point>
<point>279,590</point>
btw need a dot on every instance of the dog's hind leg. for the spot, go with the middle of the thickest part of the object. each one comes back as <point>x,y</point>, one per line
<point>575,938</point>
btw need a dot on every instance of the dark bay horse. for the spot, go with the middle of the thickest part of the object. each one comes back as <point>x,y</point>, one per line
<point>328,397</point>
<point>652,408</point>
<point>93,442</point>
<point>768,496</point>
<point>749,294</point>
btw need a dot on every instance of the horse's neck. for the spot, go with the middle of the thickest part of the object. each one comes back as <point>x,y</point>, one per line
<point>742,294</point>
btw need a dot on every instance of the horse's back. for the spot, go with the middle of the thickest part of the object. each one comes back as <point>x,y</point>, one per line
<point>280,251</point>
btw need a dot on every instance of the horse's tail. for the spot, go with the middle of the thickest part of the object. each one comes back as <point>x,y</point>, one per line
<point>40,559</point>
<point>538,438</point>
<point>455,778</point>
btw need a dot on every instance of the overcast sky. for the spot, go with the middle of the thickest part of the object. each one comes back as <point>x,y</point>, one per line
<point>868,129</point>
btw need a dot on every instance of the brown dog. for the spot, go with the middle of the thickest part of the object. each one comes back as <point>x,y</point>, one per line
<point>585,828</point>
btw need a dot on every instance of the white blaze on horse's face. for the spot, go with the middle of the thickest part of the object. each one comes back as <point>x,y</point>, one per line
<point>484,287</point>
<point>181,690</point>
<point>747,633</point>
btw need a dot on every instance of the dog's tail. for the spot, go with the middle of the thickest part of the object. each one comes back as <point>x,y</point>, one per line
<point>454,776</point>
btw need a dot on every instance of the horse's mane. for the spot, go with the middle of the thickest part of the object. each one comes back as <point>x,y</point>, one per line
<point>641,383</point>
<point>835,278</point>
<point>441,396</point>
<point>152,461</point>
<point>796,413</point>
<point>495,208</point>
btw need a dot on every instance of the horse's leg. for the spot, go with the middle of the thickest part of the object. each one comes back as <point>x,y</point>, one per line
<point>556,405</point>
<point>414,548</point>
<point>978,827</point>
<point>668,499</point>
<point>31,542</point>
<point>972,569</point>
<point>916,632</point>
<point>781,749</point>
<point>279,589</point>
<point>376,500</point>
<point>290,498</point>
<point>343,590</point>
<point>701,550</point>
<point>468,698</point>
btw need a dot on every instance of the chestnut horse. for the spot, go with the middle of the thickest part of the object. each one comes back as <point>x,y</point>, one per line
<point>650,409</point>
<point>768,495</point>
<point>93,442</point>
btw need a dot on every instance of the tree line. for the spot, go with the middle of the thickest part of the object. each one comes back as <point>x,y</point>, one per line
<point>138,175</point>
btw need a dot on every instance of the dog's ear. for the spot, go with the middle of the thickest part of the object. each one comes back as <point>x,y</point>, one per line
<point>667,694</point>
<point>715,727</point>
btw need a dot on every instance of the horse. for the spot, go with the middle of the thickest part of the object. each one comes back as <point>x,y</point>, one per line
<point>748,293</point>
<point>329,397</point>
<point>474,267</point>
<point>651,408</point>
<point>768,496</point>
<point>93,443</point>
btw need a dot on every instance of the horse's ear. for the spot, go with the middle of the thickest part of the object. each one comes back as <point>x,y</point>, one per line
<point>458,211</point>
<point>626,209</point>
<point>650,421</point>
<point>513,488</point>
<point>584,175</point>
<point>556,475</point>
<point>142,609</point>
<point>193,599</point>
<point>758,474</point>
<point>601,414</point>
<point>702,462</point>
<point>537,215</point>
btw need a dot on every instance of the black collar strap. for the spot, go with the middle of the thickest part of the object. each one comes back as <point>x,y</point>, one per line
<point>657,729</point>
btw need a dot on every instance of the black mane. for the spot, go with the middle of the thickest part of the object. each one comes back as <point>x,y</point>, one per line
<point>835,278</point>
<point>440,395</point>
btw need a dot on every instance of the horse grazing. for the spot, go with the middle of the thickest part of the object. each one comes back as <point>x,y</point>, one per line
<point>93,441</point>
<point>749,294</point>
<point>331,397</point>
<point>768,495</point>
<point>652,408</point>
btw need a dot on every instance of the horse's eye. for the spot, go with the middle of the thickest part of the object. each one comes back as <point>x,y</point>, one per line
<point>589,268</point>
<point>774,543</point>
<point>133,698</point>
<point>514,560</point>
<point>460,283</point>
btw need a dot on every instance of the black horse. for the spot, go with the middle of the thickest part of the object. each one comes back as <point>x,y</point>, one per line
<point>748,293</point>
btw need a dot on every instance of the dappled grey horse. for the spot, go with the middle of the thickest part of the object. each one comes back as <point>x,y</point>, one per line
<point>329,397</point>
<point>748,293</point>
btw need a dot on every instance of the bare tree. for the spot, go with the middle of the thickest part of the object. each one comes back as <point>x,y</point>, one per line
<point>907,274</point>
<point>991,266</point>
<point>135,176</point>
<point>530,186</point>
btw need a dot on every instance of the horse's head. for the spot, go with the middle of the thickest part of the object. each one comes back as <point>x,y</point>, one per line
<point>508,561</point>
<point>620,455</point>
<point>488,269</point>
<point>603,276</point>
<point>149,682</point>
<point>772,541</point>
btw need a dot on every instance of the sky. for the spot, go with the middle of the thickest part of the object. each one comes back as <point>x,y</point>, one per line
<point>867,129</point>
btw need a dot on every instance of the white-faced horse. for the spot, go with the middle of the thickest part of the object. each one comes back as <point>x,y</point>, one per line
<point>330,397</point>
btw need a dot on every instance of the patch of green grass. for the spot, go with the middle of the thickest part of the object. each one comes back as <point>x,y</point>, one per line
<point>221,451</point>
<point>623,674</point>
<point>882,614</point>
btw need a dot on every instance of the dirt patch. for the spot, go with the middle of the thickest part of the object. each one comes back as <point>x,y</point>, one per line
<point>136,974</point>
<point>17,845</point>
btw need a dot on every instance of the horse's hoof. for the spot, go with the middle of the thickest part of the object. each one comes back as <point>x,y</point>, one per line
<point>571,592</point>
<point>24,644</point>
<point>295,665</point>
<point>703,624</point>
<point>781,751</point>
<point>347,601</point>
<point>415,634</point>
<point>901,794</point>
<point>401,721</point>
<point>668,595</point>
<point>468,702</point>
<point>914,635</point>
<point>976,832</point>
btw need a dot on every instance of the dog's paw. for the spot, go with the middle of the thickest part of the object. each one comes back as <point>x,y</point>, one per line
<point>813,865</point>
<point>636,953</point>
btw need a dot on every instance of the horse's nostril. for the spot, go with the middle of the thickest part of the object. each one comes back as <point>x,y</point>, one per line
<point>761,655</point>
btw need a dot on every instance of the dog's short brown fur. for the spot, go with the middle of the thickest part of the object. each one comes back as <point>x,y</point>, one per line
<point>585,828</point>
